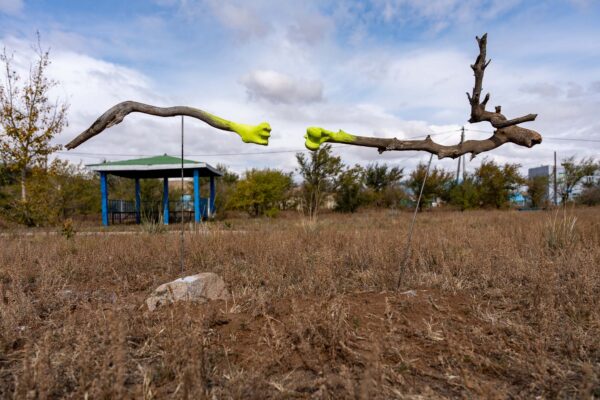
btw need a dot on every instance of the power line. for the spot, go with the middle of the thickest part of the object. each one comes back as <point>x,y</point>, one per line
<point>573,140</point>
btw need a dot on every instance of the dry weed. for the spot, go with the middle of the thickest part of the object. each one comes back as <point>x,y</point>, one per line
<point>505,304</point>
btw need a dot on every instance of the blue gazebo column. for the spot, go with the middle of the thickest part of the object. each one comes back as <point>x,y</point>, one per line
<point>166,200</point>
<point>138,201</point>
<point>104,197</point>
<point>197,215</point>
<point>213,193</point>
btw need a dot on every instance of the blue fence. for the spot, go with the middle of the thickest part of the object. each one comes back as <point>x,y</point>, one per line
<point>123,211</point>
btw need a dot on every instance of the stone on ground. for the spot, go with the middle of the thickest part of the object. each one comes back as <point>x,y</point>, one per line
<point>198,288</point>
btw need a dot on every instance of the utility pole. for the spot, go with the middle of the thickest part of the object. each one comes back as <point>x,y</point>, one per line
<point>464,161</point>
<point>462,139</point>
<point>555,182</point>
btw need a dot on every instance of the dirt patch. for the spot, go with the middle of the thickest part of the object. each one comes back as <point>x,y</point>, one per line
<point>367,345</point>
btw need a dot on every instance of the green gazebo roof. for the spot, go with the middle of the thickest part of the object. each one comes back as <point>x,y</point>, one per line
<point>156,160</point>
<point>164,166</point>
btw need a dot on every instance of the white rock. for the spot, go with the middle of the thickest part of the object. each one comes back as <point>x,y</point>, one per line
<point>199,288</point>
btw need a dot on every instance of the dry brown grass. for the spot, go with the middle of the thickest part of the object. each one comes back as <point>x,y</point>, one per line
<point>507,305</point>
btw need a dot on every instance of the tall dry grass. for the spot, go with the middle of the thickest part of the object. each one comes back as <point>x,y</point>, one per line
<point>507,305</point>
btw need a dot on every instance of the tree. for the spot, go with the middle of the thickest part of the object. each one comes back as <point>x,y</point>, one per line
<point>28,118</point>
<point>225,188</point>
<point>465,194</point>
<point>495,184</point>
<point>436,185</point>
<point>349,187</point>
<point>590,195</point>
<point>7,178</point>
<point>537,190</point>
<point>382,185</point>
<point>380,176</point>
<point>573,174</point>
<point>261,191</point>
<point>58,191</point>
<point>318,171</point>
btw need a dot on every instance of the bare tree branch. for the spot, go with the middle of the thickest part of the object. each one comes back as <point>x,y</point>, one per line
<point>506,131</point>
<point>258,134</point>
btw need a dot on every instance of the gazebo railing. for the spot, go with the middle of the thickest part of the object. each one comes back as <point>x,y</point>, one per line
<point>124,211</point>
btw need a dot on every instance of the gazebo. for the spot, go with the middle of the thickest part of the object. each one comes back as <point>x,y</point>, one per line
<point>164,167</point>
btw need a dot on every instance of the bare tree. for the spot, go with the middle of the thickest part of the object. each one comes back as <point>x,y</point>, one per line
<point>28,118</point>
<point>506,130</point>
<point>319,171</point>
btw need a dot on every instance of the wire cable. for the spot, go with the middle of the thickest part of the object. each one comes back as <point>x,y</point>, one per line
<point>182,194</point>
<point>412,225</point>
<point>546,137</point>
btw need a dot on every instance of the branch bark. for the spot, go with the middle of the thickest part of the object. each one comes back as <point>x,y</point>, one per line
<point>506,130</point>
<point>258,134</point>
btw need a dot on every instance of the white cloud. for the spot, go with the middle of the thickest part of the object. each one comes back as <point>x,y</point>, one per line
<point>298,52</point>
<point>542,89</point>
<point>11,6</point>
<point>440,14</point>
<point>309,28</point>
<point>240,18</point>
<point>276,87</point>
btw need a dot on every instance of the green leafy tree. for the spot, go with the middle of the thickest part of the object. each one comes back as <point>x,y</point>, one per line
<point>379,177</point>
<point>29,119</point>
<point>349,187</point>
<point>574,172</point>
<point>465,194</point>
<point>495,184</point>
<point>436,185</point>
<point>382,185</point>
<point>7,178</point>
<point>261,191</point>
<point>60,191</point>
<point>537,190</point>
<point>318,170</point>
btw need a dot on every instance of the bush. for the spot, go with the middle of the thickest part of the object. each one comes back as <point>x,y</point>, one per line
<point>261,190</point>
<point>349,186</point>
<point>589,196</point>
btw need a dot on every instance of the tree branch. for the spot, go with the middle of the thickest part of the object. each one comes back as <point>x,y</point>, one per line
<point>506,131</point>
<point>258,134</point>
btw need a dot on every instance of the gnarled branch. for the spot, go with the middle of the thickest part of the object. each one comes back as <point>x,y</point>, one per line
<point>258,134</point>
<point>506,129</point>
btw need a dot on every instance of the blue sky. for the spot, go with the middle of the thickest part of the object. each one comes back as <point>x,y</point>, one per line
<point>382,67</point>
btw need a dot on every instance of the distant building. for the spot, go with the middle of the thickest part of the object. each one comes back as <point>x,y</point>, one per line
<point>546,171</point>
<point>543,171</point>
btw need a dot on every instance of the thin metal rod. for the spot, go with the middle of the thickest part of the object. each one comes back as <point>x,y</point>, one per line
<point>412,225</point>
<point>182,193</point>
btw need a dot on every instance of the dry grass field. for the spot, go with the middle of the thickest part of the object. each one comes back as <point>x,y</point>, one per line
<point>494,305</point>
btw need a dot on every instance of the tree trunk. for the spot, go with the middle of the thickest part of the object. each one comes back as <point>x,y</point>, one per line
<point>23,189</point>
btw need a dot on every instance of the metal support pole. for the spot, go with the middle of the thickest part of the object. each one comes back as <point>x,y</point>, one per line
<point>104,197</point>
<point>138,202</point>
<point>555,182</point>
<point>213,194</point>
<point>182,211</point>
<point>197,215</point>
<point>462,139</point>
<point>166,201</point>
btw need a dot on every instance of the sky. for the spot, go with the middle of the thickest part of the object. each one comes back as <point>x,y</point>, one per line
<point>385,68</point>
